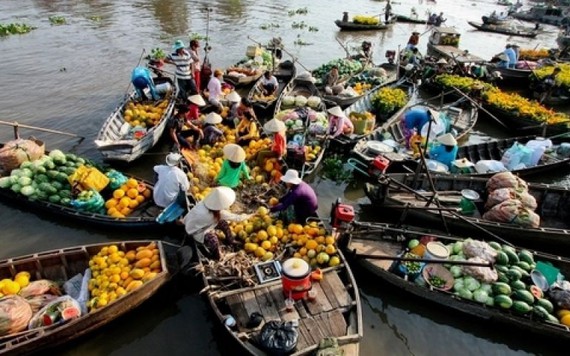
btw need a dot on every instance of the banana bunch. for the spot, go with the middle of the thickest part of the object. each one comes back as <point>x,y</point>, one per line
<point>533,54</point>
<point>366,20</point>
<point>387,100</point>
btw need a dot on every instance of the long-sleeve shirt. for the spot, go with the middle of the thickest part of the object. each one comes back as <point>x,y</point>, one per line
<point>279,144</point>
<point>142,72</point>
<point>214,88</point>
<point>439,153</point>
<point>211,134</point>
<point>200,219</point>
<point>337,125</point>
<point>230,177</point>
<point>170,181</point>
<point>303,199</point>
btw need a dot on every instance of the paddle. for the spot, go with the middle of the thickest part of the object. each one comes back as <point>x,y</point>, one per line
<point>408,259</point>
<point>16,125</point>
<point>478,106</point>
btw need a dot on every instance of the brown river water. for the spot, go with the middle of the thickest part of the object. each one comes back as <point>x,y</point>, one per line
<point>71,77</point>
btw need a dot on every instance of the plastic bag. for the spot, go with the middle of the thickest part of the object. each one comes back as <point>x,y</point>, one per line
<point>483,274</point>
<point>513,211</point>
<point>506,180</point>
<point>563,150</point>
<point>15,312</point>
<point>517,157</point>
<point>58,311</point>
<point>278,337</point>
<point>37,302</point>
<point>490,166</point>
<point>560,294</point>
<point>475,248</point>
<point>77,288</point>
<point>89,178</point>
<point>39,287</point>
<point>116,179</point>
<point>88,201</point>
<point>498,196</point>
<point>527,218</point>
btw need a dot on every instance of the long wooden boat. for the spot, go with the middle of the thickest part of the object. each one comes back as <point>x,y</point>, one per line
<point>240,76</point>
<point>113,141</point>
<point>466,115</point>
<point>307,89</point>
<point>336,312</point>
<point>553,207</point>
<point>512,75</point>
<point>63,264</point>
<point>352,26</point>
<point>373,248</point>
<point>493,20</point>
<point>410,19</point>
<point>285,73</point>
<point>526,125</point>
<point>503,30</point>
<point>490,150</point>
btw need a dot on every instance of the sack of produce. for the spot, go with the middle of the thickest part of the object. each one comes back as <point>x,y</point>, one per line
<point>58,311</point>
<point>498,196</point>
<point>560,294</point>
<point>116,179</point>
<point>88,200</point>
<point>39,287</point>
<point>527,218</point>
<point>476,248</point>
<point>15,313</point>
<point>89,178</point>
<point>483,274</point>
<point>513,211</point>
<point>278,337</point>
<point>15,152</point>
<point>39,301</point>
<point>506,180</point>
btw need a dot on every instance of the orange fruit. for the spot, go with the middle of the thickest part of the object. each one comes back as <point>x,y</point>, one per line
<point>125,211</point>
<point>111,203</point>
<point>133,204</point>
<point>124,202</point>
<point>140,198</point>
<point>118,194</point>
<point>112,211</point>
<point>311,244</point>
<point>132,183</point>
<point>132,193</point>
<point>147,193</point>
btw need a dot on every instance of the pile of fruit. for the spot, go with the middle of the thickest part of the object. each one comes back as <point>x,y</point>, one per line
<point>533,54</point>
<point>116,273</point>
<point>13,286</point>
<point>264,98</point>
<point>127,198</point>
<point>366,20</point>
<point>562,78</point>
<point>361,88</point>
<point>144,115</point>
<point>312,152</point>
<point>465,84</point>
<point>346,67</point>
<point>449,41</point>
<point>388,100</point>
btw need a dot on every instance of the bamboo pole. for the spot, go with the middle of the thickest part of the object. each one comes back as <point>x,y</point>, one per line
<point>16,125</point>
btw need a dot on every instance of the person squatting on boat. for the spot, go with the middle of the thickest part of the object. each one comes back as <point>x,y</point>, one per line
<point>275,128</point>
<point>182,59</point>
<point>444,149</point>
<point>300,201</point>
<point>233,167</point>
<point>179,136</point>
<point>247,129</point>
<point>142,79</point>
<point>339,124</point>
<point>331,82</point>
<point>269,84</point>
<point>170,181</point>
<point>195,102</point>
<point>234,101</point>
<point>211,133</point>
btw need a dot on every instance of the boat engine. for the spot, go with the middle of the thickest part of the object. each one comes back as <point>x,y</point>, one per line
<point>341,214</point>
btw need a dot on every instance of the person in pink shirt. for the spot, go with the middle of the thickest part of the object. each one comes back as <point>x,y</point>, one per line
<point>339,124</point>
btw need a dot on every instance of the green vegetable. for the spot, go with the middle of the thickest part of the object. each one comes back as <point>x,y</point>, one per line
<point>458,247</point>
<point>480,296</point>
<point>458,285</point>
<point>5,182</point>
<point>501,288</point>
<point>495,245</point>
<point>471,283</point>
<point>518,285</point>
<point>524,265</point>
<point>526,256</point>
<point>465,294</point>
<point>437,281</point>
<point>502,258</point>
<point>540,312</point>
<point>503,301</point>
<point>490,301</point>
<point>27,190</point>
<point>513,274</point>
<point>16,188</point>
<point>521,307</point>
<point>546,304</point>
<point>456,271</point>
<point>23,181</point>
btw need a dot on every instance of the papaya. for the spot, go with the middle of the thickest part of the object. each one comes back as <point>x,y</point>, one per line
<point>126,282</point>
<point>156,252</point>
<point>131,255</point>
<point>155,265</point>
<point>133,285</point>
<point>149,276</point>
<point>144,262</point>
<point>151,246</point>
<point>143,254</point>
<point>137,273</point>
<point>155,258</point>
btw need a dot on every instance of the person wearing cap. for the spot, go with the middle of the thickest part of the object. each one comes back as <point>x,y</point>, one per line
<point>277,129</point>
<point>444,149</point>
<point>268,84</point>
<point>246,129</point>
<point>182,59</point>
<point>413,40</point>
<point>142,79</point>
<point>339,124</point>
<point>413,120</point>
<point>212,214</point>
<point>212,133</point>
<point>215,90</point>
<point>176,130</point>
<point>331,82</point>
<point>300,196</point>
<point>195,102</point>
<point>231,120</point>
<point>196,66</point>
<point>233,167</point>
<point>170,181</point>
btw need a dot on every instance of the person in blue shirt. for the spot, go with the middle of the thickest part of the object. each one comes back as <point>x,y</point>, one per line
<point>415,119</point>
<point>444,149</point>
<point>511,56</point>
<point>141,79</point>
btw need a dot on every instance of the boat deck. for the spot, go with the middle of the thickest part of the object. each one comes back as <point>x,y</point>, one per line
<point>376,248</point>
<point>457,54</point>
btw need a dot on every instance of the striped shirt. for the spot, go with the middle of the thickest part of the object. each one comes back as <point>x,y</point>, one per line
<point>183,64</point>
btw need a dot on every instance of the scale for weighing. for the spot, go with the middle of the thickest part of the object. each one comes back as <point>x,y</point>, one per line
<point>268,271</point>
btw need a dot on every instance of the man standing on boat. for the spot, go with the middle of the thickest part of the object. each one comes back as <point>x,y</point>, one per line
<point>171,180</point>
<point>142,79</point>
<point>511,56</point>
<point>182,59</point>
<point>387,11</point>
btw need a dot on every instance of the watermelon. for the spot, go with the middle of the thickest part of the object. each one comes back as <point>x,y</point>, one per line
<point>501,288</point>
<point>514,275</point>
<point>521,307</point>
<point>495,245</point>
<point>526,256</point>
<point>503,301</point>
<point>524,295</point>
<point>515,285</point>
<point>552,319</point>
<point>502,269</point>
<point>70,313</point>
<point>54,199</point>
<point>540,312</point>
<point>546,304</point>
<point>502,258</point>
<point>524,265</point>
<point>513,258</point>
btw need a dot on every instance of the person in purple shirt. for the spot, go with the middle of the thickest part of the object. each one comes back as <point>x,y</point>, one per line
<point>300,196</point>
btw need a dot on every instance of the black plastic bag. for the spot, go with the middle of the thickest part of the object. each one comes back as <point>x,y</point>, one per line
<point>278,337</point>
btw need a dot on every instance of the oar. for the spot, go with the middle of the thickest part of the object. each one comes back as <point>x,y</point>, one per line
<point>409,259</point>
<point>343,47</point>
<point>16,125</point>
<point>478,106</point>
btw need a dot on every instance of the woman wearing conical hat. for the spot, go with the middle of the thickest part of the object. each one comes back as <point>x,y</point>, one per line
<point>275,128</point>
<point>339,124</point>
<point>234,167</point>
<point>444,150</point>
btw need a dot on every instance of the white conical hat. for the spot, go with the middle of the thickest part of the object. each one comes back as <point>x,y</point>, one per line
<point>274,125</point>
<point>434,113</point>
<point>172,159</point>
<point>336,111</point>
<point>441,61</point>
<point>447,139</point>
<point>213,118</point>
<point>234,153</point>
<point>220,198</point>
<point>233,97</point>
<point>197,99</point>
<point>291,176</point>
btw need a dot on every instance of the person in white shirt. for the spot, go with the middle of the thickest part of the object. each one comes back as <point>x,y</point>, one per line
<point>269,84</point>
<point>171,180</point>
<point>211,214</point>
<point>215,89</point>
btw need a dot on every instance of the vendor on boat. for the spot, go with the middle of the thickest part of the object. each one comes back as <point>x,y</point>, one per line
<point>211,132</point>
<point>444,149</point>
<point>142,79</point>
<point>511,56</point>
<point>176,130</point>
<point>275,128</point>
<point>182,59</point>
<point>387,11</point>
<point>215,90</point>
<point>331,82</point>
<point>413,40</point>
<point>232,119</point>
<point>300,201</point>
<point>234,167</point>
<point>170,181</point>
<point>414,120</point>
<point>212,214</point>
<point>195,102</point>
<point>269,84</point>
<point>247,129</point>
<point>196,66</point>
<point>548,84</point>
<point>339,124</point>
<point>345,16</point>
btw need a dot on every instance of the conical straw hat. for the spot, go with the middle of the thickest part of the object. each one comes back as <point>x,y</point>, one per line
<point>336,111</point>
<point>213,118</point>
<point>220,198</point>
<point>233,97</point>
<point>447,139</point>
<point>234,153</point>
<point>197,99</point>
<point>274,125</point>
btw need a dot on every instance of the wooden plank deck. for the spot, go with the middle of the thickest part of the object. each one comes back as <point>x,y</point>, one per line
<point>377,248</point>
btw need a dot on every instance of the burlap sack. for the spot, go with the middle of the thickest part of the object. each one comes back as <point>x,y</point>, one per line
<point>15,152</point>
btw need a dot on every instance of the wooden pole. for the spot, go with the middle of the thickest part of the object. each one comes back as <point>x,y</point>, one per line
<point>16,125</point>
<point>408,259</point>
<point>480,107</point>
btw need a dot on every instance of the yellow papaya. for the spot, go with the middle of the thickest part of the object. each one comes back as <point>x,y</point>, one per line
<point>155,265</point>
<point>143,262</point>
<point>143,254</point>
<point>133,285</point>
<point>137,273</point>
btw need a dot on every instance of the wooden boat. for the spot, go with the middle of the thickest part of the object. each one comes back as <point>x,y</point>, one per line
<point>525,125</point>
<point>352,26</point>
<point>410,19</point>
<point>553,207</point>
<point>364,152</point>
<point>113,139</point>
<point>444,42</point>
<point>373,247</point>
<point>511,75</point>
<point>503,30</point>
<point>61,265</point>
<point>306,88</point>
<point>490,150</point>
<point>336,311</point>
<point>494,20</point>
<point>243,73</point>
<point>544,14</point>
<point>285,72</point>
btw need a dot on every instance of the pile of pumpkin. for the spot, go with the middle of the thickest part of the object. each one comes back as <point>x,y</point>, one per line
<point>127,198</point>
